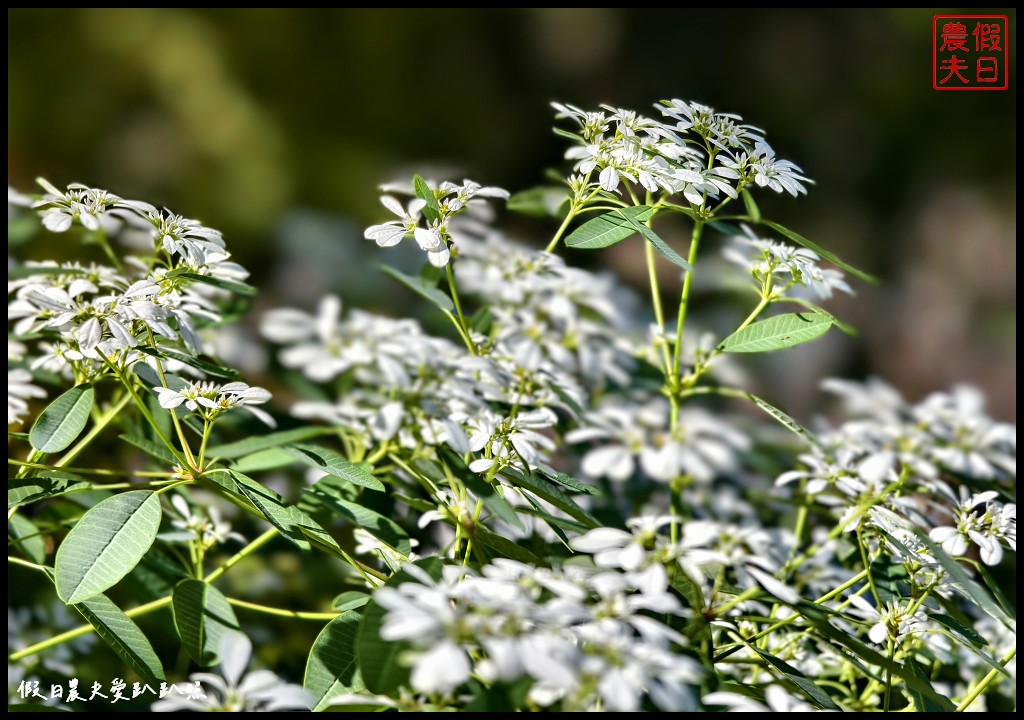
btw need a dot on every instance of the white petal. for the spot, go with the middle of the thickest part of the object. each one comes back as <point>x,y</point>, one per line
<point>441,669</point>
<point>385,235</point>
<point>428,239</point>
<point>601,539</point>
<point>439,258</point>
<point>393,205</point>
<point>89,335</point>
<point>235,652</point>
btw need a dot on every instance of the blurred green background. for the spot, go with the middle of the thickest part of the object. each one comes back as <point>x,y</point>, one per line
<point>276,126</point>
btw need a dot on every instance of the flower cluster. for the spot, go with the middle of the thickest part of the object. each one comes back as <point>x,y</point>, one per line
<point>583,638</point>
<point>691,150</point>
<point>90,320</point>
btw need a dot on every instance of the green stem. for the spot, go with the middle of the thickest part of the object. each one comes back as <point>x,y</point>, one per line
<point>25,563</point>
<point>95,471</point>
<point>659,313</point>
<point>97,428</point>
<point>84,630</point>
<point>684,302</point>
<point>561,229</point>
<point>101,240</point>
<point>148,415</point>
<point>985,682</point>
<point>174,414</point>
<point>242,554</point>
<point>458,309</point>
<point>867,567</point>
<point>141,609</point>
<point>793,618</point>
<point>888,675</point>
<point>207,426</point>
<point>294,614</point>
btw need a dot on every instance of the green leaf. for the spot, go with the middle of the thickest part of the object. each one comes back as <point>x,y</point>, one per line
<point>153,449</point>
<point>481,320</point>
<point>1004,602</point>
<point>211,369</point>
<point>26,537</point>
<point>383,528</point>
<point>570,403</point>
<point>818,696</point>
<point>570,482</point>
<point>263,460</point>
<point>660,245</point>
<point>845,327</point>
<point>922,702</point>
<point>350,600</point>
<point>608,229</point>
<point>505,547</point>
<point>488,494</point>
<point>334,464</point>
<point>63,420</point>
<point>777,333</point>
<point>250,445</point>
<point>551,520</point>
<point>316,534</point>
<point>271,507</point>
<point>831,257</point>
<point>106,543</point>
<point>22,491</point>
<point>752,209</point>
<point>552,493</point>
<point>539,201</point>
<point>783,418</point>
<point>123,636</point>
<point>431,211</point>
<point>239,288</point>
<point>379,659</point>
<point>332,668</point>
<point>966,585</point>
<point>891,578</point>
<point>421,287</point>
<point>723,228</point>
<point>959,628</point>
<point>201,616</point>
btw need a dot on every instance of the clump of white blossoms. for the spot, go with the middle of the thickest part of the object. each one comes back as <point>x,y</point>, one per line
<point>580,638</point>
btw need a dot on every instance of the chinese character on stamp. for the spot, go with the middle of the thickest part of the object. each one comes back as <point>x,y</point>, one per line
<point>970,52</point>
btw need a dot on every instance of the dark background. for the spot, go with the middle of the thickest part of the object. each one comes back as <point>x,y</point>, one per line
<point>276,126</point>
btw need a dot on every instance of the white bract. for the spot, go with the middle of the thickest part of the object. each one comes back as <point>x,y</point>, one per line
<point>235,690</point>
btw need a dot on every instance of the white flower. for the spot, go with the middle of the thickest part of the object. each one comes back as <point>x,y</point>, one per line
<point>632,550</point>
<point>208,528</point>
<point>391,232</point>
<point>210,399</point>
<point>60,209</point>
<point>892,621</point>
<point>238,691</point>
<point>779,175</point>
<point>980,519</point>
<point>19,390</point>
<point>773,258</point>
<point>776,699</point>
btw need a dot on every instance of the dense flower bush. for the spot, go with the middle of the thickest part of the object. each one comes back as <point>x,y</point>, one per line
<point>565,503</point>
